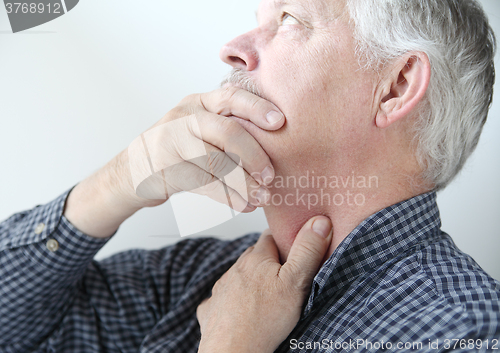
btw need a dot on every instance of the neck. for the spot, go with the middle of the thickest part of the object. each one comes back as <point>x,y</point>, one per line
<point>346,199</point>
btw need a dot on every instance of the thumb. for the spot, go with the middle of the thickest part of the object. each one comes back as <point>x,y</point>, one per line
<point>307,252</point>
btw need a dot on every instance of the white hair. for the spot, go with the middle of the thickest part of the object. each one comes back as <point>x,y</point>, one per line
<point>460,45</point>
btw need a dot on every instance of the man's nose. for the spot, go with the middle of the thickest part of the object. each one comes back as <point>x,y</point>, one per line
<point>241,53</point>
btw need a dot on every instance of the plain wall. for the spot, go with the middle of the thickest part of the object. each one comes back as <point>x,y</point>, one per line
<point>77,90</point>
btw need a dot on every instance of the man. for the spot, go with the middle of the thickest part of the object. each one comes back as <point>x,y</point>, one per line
<point>381,101</point>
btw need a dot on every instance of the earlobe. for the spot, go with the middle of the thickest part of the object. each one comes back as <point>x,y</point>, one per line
<point>406,86</point>
<point>381,119</point>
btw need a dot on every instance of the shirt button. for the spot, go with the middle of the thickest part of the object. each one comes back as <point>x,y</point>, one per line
<point>52,245</point>
<point>39,228</point>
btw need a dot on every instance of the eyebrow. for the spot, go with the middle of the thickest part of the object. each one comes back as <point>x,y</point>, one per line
<point>281,3</point>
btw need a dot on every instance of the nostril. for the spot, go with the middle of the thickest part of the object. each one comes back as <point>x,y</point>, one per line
<point>237,60</point>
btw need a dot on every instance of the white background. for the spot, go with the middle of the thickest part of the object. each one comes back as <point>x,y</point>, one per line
<point>77,90</point>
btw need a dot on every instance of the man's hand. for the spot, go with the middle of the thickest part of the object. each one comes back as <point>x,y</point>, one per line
<point>197,148</point>
<point>99,204</point>
<point>255,305</point>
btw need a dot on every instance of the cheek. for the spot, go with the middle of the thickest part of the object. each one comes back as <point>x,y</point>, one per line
<point>321,94</point>
<point>305,94</point>
<point>287,77</point>
<point>297,77</point>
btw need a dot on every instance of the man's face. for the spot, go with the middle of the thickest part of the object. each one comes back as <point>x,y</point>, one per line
<point>301,57</point>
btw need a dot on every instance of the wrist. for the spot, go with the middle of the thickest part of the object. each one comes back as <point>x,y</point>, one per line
<point>120,178</point>
<point>98,205</point>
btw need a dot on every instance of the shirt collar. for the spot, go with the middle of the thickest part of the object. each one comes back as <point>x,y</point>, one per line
<point>380,237</point>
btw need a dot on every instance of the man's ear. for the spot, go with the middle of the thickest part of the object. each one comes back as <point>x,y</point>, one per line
<point>405,87</point>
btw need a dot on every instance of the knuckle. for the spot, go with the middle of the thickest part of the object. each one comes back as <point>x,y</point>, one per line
<point>309,249</point>
<point>229,128</point>
<point>178,110</point>
<point>217,163</point>
<point>199,312</point>
<point>208,183</point>
<point>245,259</point>
<point>257,104</point>
<point>227,95</point>
<point>300,282</point>
<point>189,99</point>
<point>231,194</point>
<point>241,268</point>
<point>202,305</point>
<point>245,254</point>
<point>217,285</point>
<point>248,250</point>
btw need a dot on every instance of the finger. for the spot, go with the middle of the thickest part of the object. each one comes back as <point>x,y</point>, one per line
<point>201,310</point>
<point>227,167</point>
<point>167,146</point>
<point>264,252</point>
<point>239,102</point>
<point>242,257</point>
<point>186,176</point>
<point>307,252</point>
<point>266,248</point>
<point>247,251</point>
<point>230,137</point>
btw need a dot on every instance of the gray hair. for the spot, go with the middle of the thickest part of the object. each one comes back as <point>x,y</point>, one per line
<point>460,44</point>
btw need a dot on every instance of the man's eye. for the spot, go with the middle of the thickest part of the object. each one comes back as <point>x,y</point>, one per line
<point>288,20</point>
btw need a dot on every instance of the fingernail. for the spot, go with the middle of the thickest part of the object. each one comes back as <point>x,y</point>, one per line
<point>249,208</point>
<point>267,175</point>
<point>273,117</point>
<point>262,195</point>
<point>322,226</point>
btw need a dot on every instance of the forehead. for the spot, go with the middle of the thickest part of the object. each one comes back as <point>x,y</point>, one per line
<point>327,9</point>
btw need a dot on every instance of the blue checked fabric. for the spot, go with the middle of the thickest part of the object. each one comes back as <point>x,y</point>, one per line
<point>396,278</point>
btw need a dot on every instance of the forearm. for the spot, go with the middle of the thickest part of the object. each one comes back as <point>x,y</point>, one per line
<point>102,202</point>
<point>42,257</point>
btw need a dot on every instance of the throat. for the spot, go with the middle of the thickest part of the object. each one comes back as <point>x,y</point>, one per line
<point>298,205</point>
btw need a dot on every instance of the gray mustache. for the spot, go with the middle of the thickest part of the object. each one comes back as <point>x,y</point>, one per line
<point>240,78</point>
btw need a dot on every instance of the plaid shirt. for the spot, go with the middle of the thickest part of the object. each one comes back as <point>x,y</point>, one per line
<point>396,280</point>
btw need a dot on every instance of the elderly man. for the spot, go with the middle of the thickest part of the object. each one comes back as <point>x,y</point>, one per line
<point>344,118</point>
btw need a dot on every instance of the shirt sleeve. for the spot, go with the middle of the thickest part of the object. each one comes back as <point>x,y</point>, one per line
<point>145,300</point>
<point>55,298</point>
<point>42,257</point>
